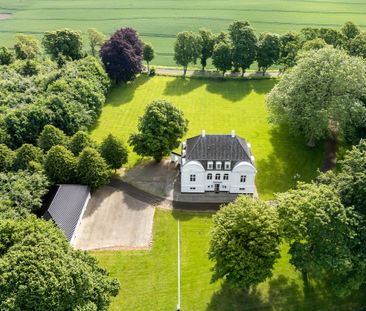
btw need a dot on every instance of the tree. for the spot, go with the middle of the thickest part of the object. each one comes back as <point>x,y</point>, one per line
<point>160,129</point>
<point>6,57</point>
<point>27,154</point>
<point>91,169</point>
<point>221,57</point>
<point>51,136</point>
<point>315,44</point>
<point>39,270</point>
<point>60,165</point>
<point>64,42</point>
<point>79,141</point>
<point>332,36</point>
<point>148,54</point>
<point>244,43</point>
<point>207,45</point>
<point>114,152</point>
<point>122,55</point>
<point>268,50</point>
<point>289,47</point>
<point>245,242</point>
<point>7,157</point>
<point>96,40</point>
<point>187,49</point>
<point>29,68</point>
<point>323,91</point>
<point>23,190</point>
<point>350,30</point>
<point>357,45</point>
<point>26,47</point>
<point>321,232</point>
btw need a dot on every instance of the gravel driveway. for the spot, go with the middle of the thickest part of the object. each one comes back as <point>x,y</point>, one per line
<point>115,220</point>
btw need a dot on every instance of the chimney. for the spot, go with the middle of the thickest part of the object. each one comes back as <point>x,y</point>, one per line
<point>233,133</point>
<point>203,133</point>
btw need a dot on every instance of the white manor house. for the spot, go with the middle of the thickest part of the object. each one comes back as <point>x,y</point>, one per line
<point>219,163</point>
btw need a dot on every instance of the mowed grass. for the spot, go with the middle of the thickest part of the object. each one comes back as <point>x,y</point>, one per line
<point>158,21</point>
<point>149,278</point>
<point>218,107</point>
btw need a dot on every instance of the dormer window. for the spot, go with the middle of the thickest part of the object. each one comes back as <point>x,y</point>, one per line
<point>227,165</point>
<point>209,165</point>
<point>218,165</point>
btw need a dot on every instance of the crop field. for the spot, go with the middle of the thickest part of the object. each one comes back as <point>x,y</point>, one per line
<point>218,107</point>
<point>158,21</point>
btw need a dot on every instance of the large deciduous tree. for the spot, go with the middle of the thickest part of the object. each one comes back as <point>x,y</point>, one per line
<point>244,45</point>
<point>245,242</point>
<point>148,54</point>
<point>187,49</point>
<point>7,157</point>
<point>51,136</point>
<point>26,155</point>
<point>222,57</point>
<point>26,47</point>
<point>350,30</point>
<point>268,50</point>
<point>96,40</point>
<point>289,47</point>
<point>322,234</point>
<point>114,152</point>
<point>91,169</point>
<point>63,42</point>
<point>323,91</point>
<point>160,129</point>
<point>60,165</point>
<point>79,141</point>
<point>39,270</point>
<point>122,55</point>
<point>208,41</point>
<point>6,56</point>
<point>357,45</point>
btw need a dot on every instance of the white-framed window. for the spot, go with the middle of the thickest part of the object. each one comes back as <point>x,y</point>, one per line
<point>243,178</point>
<point>227,165</point>
<point>226,176</point>
<point>209,176</point>
<point>218,165</point>
<point>192,178</point>
<point>209,165</point>
<point>217,177</point>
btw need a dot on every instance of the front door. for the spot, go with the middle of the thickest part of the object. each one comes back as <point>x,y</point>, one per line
<point>217,188</point>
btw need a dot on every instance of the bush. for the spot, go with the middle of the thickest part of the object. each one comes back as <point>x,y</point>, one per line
<point>152,72</point>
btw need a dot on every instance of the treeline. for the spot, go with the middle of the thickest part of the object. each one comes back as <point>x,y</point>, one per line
<point>239,47</point>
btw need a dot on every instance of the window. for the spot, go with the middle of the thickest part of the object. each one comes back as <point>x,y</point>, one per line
<point>218,165</point>
<point>209,165</point>
<point>227,165</point>
<point>209,176</point>
<point>243,178</point>
<point>192,178</point>
<point>226,176</point>
<point>192,188</point>
<point>217,177</point>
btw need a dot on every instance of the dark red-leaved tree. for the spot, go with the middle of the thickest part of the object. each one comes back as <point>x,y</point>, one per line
<point>122,55</point>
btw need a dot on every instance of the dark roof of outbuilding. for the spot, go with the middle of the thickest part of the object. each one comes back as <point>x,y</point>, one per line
<point>218,147</point>
<point>67,206</point>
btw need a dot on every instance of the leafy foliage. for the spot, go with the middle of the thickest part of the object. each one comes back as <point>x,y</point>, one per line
<point>51,136</point>
<point>6,56</point>
<point>91,168</point>
<point>7,157</point>
<point>268,50</point>
<point>325,87</point>
<point>26,155</point>
<point>148,54</point>
<point>60,165</point>
<point>65,42</point>
<point>26,47</point>
<point>96,39</point>
<point>289,47</point>
<point>245,242</point>
<point>208,41</point>
<point>114,152</point>
<point>160,129</point>
<point>221,57</point>
<point>122,55</point>
<point>79,141</point>
<point>40,271</point>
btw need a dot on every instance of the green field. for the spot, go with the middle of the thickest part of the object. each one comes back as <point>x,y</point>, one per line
<point>149,278</point>
<point>159,20</point>
<point>218,107</point>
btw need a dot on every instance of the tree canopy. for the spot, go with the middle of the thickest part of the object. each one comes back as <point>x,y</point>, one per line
<point>208,41</point>
<point>79,141</point>
<point>114,152</point>
<point>26,47</point>
<point>148,54</point>
<point>96,40</point>
<point>160,129</point>
<point>51,136</point>
<point>25,155</point>
<point>245,242</point>
<point>268,50</point>
<point>222,57</point>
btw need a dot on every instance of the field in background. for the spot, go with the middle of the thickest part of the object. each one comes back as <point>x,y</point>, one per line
<point>158,21</point>
<point>149,278</point>
<point>218,107</point>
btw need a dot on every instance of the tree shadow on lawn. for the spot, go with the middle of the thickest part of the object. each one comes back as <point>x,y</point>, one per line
<point>181,86</point>
<point>289,156</point>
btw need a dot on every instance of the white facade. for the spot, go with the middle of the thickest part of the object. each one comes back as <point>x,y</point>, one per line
<point>217,175</point>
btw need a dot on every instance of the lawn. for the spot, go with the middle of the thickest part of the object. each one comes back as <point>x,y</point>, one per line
<point>149,278</point>
<point>218,107</point>
<point>158,21</point>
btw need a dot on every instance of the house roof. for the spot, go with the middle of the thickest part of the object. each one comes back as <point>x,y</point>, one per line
<point>218,147</point>
<point>67,207</point>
